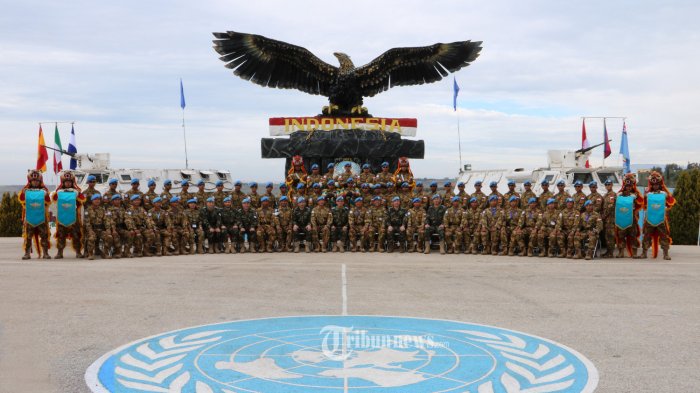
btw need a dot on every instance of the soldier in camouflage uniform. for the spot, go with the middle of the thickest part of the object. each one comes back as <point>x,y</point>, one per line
<point>343,178</point>
<point>219,194</point>
<point>229,226</point>
<point>359,225</point>
<point>134,190</point>
<point>90,191</point>
<point>547,229</point>
<point>511,192</point>
<point>561,195</point>
<point>163,227</point>
<point>195,235</point>
<point>284,191</point>
<point>366,176</point>
<point>415,221</point>
<point>248,223</point>
<point>270,195</point>
<point>185,191</point>
<point>527,194</point>
<point>237,196</point>
<point>298,192</point>
<point>315,176</point>
<point>166,194</point>
<point>491,224</point>
<point>432,191</point>
<point>150,195</point>
<point>447,194</point>
<point>266,233</point>
<point>418,191</point>
<point>511,218</point>
<point>589,226</point>
<point>595,197</point>
<point>527,228</point>
<point>112,190</point>
<point>143,227</point>
<point>211,224</point>
<point>396,224</point>
<point>463,196</point>
<point>201,194</point>
<point>384,176</point>
<point>254,196</point>
<point>494,191</point>
<point>321,221</point>
<point>453,226</point>
<point>608,216</point>
<point>405,196</point>
<point>434,224</point>
<point>331,193</point>
<point>301,225</point>
<point>98,227</point>
<point>181,226</point>
<point>330,173</point>
<point>481,198</point>
<point>471,233</point>
<point>316,192</point>
<point>377,224</point>
<point>545,195</point>
<point>284,224</point>
<point>579,197</point>
<point>122,229</point>
<point>341,224</point>
<point>566,229</point>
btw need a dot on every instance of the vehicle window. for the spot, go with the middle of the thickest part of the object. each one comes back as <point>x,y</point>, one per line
<point>549,178</point>
<point>605,176</point>
<point>585,178</point>
<point>126,177</point>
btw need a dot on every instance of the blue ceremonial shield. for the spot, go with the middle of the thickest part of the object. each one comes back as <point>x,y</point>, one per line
<point>624,211</point>
<point>656,208</point>
<point>66,208</point>
<point>35,212</point>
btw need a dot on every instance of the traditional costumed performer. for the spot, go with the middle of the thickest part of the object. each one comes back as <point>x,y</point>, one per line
<point>297,173</point>
<point>657,202</point>
<point>35,201</point>
<point>69,201</point>
<point>403,173</point>
<point>628,203</point>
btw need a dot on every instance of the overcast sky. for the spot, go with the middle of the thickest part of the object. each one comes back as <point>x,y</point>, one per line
<point>114,68</point>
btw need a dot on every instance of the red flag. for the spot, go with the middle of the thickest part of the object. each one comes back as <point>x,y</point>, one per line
<point>584,141</point>
<point>607,151</point>
<point>42,156</point>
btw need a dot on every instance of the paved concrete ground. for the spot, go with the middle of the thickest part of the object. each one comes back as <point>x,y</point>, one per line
<point>639,322</point>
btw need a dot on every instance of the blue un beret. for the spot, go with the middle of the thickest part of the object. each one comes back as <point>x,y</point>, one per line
<point>419,184</point>
<point>264,199</point>
<point>174,199</point>
<point>394,199</point>
<point>389,184</point>
<point>253,184</point>
<point>269,185</point>
<point>91,178</point>
<point>340,198</point>
<point>219,183</point>
<point>385,164</point>
<point>587,203</point>
<point>376,198</point>
<point>329,166</point>
<point>414,200</point>
<point>365,166</point>
<point>608,182</point>
<point>238,183</point>
<point>134,181</point>
<point>513,198</point>
<point>155,200</point>
<point>151,182</point>
<point>321,198</point>
<point>301,199</point>
<point>331,183</point>
<point>283,185</point>
<point>193,200</point>
<point>527,183</point>
<point>358,199</point>
<point>111,181</point>
<point>314,166</point>
<point>550,201</point>
<point>116,196</point>
<point>472,200</point>
<point>460,184</point>
<point>167,181</point>
<point>569,200</point>
<point>436,196</point>
<point>227,199</point>
<point>210,199</point>
<point>404,184</point>
<point>561,182</point>
<point>316,185</point>
<point>300,186</point>
<point>477,183</point>
<point>283,198</point>
<point>95,196</point>
<point>493,184</point>
<point>455,199</point>
<point>200,183</point>
<point>532,200</point>
<point>578,183</point>
<point>545,182</point>
<point>184,183</point>
<point>493,198</point>
<point>135,197</point>
<point>511,182</point>
<point>433,184</point>
<point>245,200</point>
<point>447,184</point>
<point>593,184</point>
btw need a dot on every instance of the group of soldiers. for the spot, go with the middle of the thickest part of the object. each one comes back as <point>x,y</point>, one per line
<point>380,212</point>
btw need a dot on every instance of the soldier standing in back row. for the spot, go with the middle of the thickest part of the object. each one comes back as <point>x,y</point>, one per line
<point>254,196</point>
<point>434,224</point>
<point>219,194</point>
<point>384,176</point>
<point>579,197</point>
<point>494,191</point>
<point>366,176</point>
<point>134,190</point>
<point>527,194</point>
<point>561,195</point>
<point>481,199</point>
<point>237,196</point>
<point>201,194</point>
<point>545,195</point>
<point>315,176</point>
<point>111,190</point>
<point>166,194</point>
<point>511,193</point>
<point>150,195</point>
<point>270,195</point>
<point>185,191</point>
<point>609,219</point>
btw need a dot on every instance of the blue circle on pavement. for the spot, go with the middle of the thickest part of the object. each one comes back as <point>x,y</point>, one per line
<point>341,354</point>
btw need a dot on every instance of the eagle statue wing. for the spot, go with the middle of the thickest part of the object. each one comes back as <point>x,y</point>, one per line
<point>273,63</point>
<point>415,66</point>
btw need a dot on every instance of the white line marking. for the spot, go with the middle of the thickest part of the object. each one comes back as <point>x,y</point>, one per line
<point>344,279</point>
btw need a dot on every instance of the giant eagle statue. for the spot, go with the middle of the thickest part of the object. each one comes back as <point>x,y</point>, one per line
<point>273,63</point>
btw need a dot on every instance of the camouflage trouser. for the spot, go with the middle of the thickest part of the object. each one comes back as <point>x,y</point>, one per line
<point>380,233</point>
<point>453,238</point>
<point>62,234</point>
<point>339,233</point>
<point>162,239</point>
<point>471,238</point>
<point>565,239</point>
<point>590,235</point>
<point>122,240</point>
<point>631,234</point>
<point>547,237</point>
<point>609,233</point>
<point>285,237</point>
<point>94,235</point>
<point>143,240</point>
<point>323,234</point>
<point>180,238</point>
<point>661,230</point>
<point>491,239</point>
<point>508,238</point>
<point>358,232</point>
<point>411,233</point>
<point>266,235</point>
<point>42,231</point>
<point>527,238</point>
<point>433,230</point>
<point>195,237</point>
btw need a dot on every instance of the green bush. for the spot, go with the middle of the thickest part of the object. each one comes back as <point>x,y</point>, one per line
<point>10,216</point>
<point>684,216</point>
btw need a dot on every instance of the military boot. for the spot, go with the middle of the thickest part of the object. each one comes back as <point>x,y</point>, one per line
<point>323,246</point>
<point>620,252</point>
<point>666,256</point>
<point>269,246</point>
<point>563,253</point>
<point>90,255</point>
<point>442,247</point>
<point>296,246</point>
<point>59,254</point>
<point>578,254</point>
<point>551,252</point>
<point>589,255</point>
<point>427,247</point>
<point>634,253</point>
<point>336,247</point>
<point>468,249</point>
<point>211,249</point>
<point>341,246</point>
<point>380,246</point>
<point>307,246</point>
<point>529,252</point>
<point>511,251</point>
<point>523,250</point>
<point>644,253</point>
<point>494,250</point>
<point>227,250</point>
<point>390,246</point>
<point>353,245</point>
<point>46,253</point>
<point>486,250</point>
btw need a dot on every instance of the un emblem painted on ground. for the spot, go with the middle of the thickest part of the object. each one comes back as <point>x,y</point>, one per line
<point>341,354</point>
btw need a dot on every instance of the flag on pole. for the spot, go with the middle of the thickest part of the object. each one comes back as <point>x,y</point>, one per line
<point>607,151</point>
<point>455,87</point>
<point>72,148</point>
<point>182,95</point>
<point>584,141</point>
<point>57,156</point>
<point>625,150</point>
<point>42,156</point>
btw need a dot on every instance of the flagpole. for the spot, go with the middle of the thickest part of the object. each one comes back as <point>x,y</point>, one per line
<point>459,143</point>
<point>184,137</point>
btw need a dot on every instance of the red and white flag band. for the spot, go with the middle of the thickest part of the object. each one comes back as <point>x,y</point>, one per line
<point>280,126</point>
